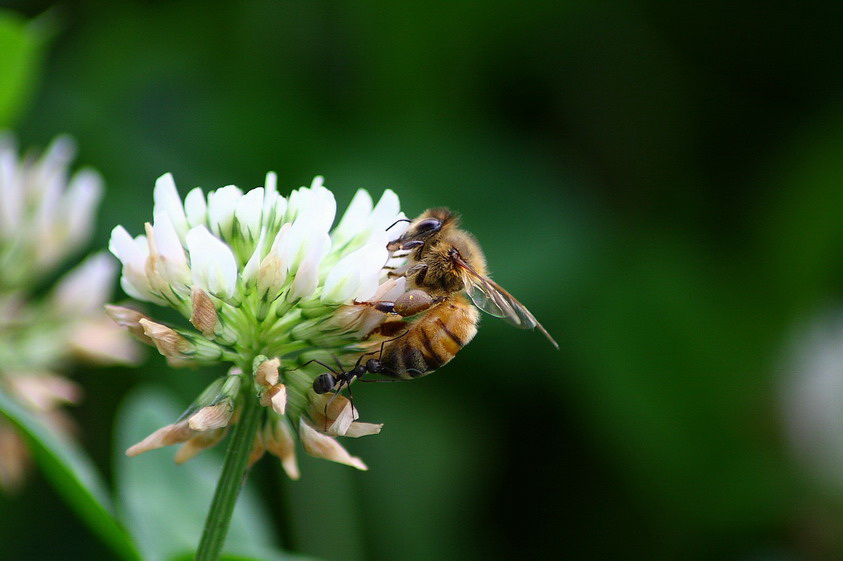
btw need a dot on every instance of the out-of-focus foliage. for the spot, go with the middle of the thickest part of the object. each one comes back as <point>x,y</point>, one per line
<point>165,507</point>
<point>660,184</point>
<point>70,471</point>
<point>21,49</point>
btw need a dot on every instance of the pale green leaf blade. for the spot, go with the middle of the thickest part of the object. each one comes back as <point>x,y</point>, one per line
<point>21,50</point>
<point>165,504</point>
<point>73,475</point>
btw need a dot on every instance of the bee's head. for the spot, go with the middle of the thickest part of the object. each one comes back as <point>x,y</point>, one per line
<point>423,228</point>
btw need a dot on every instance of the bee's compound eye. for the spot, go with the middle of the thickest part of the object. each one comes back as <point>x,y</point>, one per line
<point>429,225</point>
<point>324,383</point>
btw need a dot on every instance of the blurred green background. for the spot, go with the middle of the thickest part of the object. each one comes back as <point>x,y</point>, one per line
<point>661,184</point>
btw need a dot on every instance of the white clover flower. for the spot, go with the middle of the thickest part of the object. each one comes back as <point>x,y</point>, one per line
<point>260,275</point>
<point>811,399</point>
<point>46,216</point>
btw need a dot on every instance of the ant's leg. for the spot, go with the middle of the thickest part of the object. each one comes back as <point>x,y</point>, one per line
<point>345,383</point>
<point>379,352</point>
<point>351,400</point>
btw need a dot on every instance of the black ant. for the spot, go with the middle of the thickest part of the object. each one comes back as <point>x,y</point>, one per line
<point>327,381</point>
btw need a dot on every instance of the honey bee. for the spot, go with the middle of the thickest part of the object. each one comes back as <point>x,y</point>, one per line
<point>444,265</point>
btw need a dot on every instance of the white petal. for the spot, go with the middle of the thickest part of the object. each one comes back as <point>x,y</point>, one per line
<point>271,183</point>
<point>370,272</point>
<point>321,446</point>
<point>280,208</point>
<point>11,192</point>
<point>80,202</point>
<point>211,417</point>
<point>58,155</point>
<point>344,279</point>
<point>315,205</point>
<point>101,341</point>
<point>248,213</point>
<point>387,212</point>
<point>212,263</point>
<point>273,272</point>
<point>221,206</point>
<point>49,174</point>
<point>172,260</point>
<point>250,270</point>
<point>165,436</point>
<point>87,287</point>
<point>166,199</point>
<point>391,289</point>
<point>136,293</point>
<point>279,441</point>
<point>307,276</point>
<point>356,430</point>
<point>132,253</point>
<point>124,247</point>
<point>356,275</point>
<point>270,193</point>
<point>355,218</point>
<point>195,207</point>
<point>324,206</point>
<point>278,401</point>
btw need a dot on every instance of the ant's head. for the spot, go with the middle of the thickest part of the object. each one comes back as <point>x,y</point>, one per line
<point>374,366</point>
<point>324,383</point>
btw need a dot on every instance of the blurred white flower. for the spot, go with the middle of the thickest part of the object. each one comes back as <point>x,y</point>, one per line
<point>811,396</point>
<point>260,275</point>
<point>46,217</point>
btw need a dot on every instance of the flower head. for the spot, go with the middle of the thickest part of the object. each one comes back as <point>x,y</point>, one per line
<point>45,217</point>
<point>266,285</point>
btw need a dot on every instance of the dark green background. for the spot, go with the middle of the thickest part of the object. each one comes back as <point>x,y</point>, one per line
<point>661,184</point>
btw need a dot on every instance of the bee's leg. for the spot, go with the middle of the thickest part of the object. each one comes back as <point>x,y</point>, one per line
<point>405,271</point>
<point>413,302</point>
<point>408,304</point>
<point>396,272</point>
<point>385,306</point>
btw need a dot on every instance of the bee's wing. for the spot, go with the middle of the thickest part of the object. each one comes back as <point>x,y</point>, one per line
<point>493,299</point>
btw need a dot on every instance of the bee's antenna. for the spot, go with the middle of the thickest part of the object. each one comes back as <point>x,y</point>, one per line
<point>397,221</point>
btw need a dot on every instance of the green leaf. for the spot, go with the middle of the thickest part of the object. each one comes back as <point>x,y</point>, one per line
<point>73,475</point>
<point>21,50</point>
<point>165,504</point>
<point>262,555</point>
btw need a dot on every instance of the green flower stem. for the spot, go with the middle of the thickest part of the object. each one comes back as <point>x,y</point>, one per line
<point>232,477</point>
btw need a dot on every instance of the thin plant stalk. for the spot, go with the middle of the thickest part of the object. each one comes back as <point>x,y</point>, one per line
<point>231,480</point>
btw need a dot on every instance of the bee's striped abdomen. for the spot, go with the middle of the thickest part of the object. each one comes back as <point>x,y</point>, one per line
<point>432,340</point>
